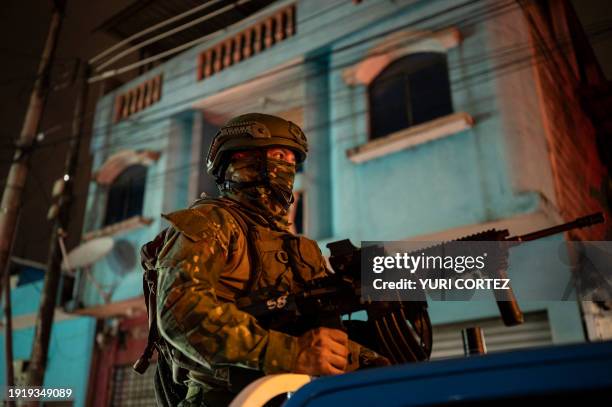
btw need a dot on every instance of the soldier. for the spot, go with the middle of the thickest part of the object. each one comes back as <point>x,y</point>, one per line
<point>222,249</point>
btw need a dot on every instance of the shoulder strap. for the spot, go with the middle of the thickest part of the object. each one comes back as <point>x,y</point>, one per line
<point>250,233</point>
<point>148,255</point>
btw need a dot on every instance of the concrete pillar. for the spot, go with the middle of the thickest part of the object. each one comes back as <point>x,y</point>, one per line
<point>317,174</point>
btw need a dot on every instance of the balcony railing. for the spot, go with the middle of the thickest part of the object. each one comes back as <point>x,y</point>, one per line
<point>138,98</point>
<point>247,43</point>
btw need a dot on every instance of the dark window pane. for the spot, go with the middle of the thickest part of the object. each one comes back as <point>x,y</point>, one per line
<point>299,214</point>
<point>410,91</point>
<point>126,194</point>
<point>29,275</point>
<point>389,106</point>
<point>430,93</point>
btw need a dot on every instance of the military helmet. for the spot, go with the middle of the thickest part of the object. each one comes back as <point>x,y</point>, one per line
<point>254,130</point>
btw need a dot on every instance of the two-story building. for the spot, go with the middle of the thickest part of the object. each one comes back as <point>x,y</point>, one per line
<point>427,120</point>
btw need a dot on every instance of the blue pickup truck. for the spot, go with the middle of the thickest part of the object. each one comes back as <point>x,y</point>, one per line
<point>577,374</point>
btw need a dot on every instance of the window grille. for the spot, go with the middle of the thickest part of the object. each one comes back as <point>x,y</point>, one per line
<point>534,332</point>
<point>131,389</point>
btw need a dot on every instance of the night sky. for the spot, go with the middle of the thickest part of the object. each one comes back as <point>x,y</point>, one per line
<point>24,25</point>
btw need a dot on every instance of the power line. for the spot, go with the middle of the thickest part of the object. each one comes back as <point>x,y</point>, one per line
<point>190,71</point>
<point>182,27</point>
<point>160,177</point>
<point>151,29</point>
<point>164,54</point>
<point>167,80</point>
<point>176,50</point>
<point>312,59</point>
<point>121,131</point>
<point>456,85</point>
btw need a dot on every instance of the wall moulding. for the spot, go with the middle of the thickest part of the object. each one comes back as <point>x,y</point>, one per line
<point>125,308</point>
<point>395,46</point>
<point>410,137</point>
<point>118,228</point>
<point>118,162</point>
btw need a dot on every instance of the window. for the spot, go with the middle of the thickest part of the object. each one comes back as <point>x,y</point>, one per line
<point>410,91</point>
<point>126,194</point>
<point>296,213</point>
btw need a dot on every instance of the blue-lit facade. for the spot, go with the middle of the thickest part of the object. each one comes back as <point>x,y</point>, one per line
<point>477,159</point>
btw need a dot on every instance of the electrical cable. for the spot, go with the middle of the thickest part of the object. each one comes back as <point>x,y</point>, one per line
<point>273,72</point>
<point>166,135</point>
<point>166,53</point>
<point>151,29</point>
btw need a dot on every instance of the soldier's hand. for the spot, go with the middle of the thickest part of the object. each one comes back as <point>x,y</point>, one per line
<point>322,351</point>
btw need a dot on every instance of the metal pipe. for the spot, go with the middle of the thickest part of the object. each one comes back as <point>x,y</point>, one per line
<point>151,29</point>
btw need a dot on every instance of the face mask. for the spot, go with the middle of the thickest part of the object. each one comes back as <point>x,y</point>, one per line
<point>263,179</point>
<point>281,175</point>
<point>244,172</point>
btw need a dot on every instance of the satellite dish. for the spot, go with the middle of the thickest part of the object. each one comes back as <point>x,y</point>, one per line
<point>88,253</point>
<point>122,259</point>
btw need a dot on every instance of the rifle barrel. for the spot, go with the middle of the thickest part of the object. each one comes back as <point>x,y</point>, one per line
<point>582,222</point>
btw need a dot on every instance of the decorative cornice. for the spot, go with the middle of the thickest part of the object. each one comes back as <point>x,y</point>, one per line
<point>124,226</point>
<point>118,162</point>
<point>247,43</point>
<point>130,308</point>
<point>395,46</point>
<point>138,98</point>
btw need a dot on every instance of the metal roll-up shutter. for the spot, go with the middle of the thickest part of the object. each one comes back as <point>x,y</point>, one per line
<point>534,332</point>
<point>131,389</point>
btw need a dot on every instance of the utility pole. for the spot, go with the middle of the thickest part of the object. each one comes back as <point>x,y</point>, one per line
<point>15,183</point>
<point>60,212</point>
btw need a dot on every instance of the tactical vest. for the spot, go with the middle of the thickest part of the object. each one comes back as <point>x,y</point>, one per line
<point>279,262</point>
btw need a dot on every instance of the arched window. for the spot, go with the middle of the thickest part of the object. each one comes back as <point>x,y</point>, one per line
<point>126,194</point>
<point>411,90</point>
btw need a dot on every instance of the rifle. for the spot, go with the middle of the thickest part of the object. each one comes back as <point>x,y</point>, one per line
<point>401,331</point>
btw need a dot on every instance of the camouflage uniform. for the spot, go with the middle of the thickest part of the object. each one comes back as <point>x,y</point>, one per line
<point>219,250</point>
